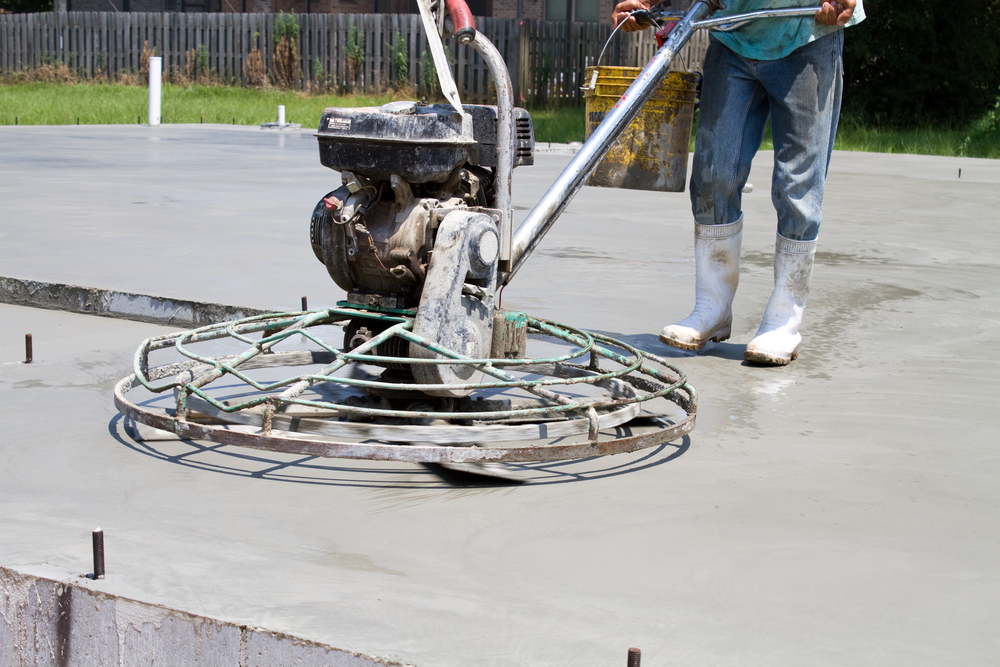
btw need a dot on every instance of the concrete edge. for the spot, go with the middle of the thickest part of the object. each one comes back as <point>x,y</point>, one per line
<point>48,618</point>
<point>179,313</point>
<point>571,148</point>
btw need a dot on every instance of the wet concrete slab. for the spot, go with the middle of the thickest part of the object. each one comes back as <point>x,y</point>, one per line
<point>841,510</point>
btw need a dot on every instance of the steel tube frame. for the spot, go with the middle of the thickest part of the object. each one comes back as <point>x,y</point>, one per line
<point>729,23</point>
<point>661,381</point>
<point>505,139</point>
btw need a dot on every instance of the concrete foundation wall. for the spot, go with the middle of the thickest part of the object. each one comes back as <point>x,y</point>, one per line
<point>125,305</point>
<point>55,621</point>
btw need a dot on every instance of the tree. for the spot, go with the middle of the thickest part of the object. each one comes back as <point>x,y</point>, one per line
<point>919,61</point>
<point>25,6</point>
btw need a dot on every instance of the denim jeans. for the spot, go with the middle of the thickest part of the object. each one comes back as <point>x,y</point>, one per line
<point>801,94</point>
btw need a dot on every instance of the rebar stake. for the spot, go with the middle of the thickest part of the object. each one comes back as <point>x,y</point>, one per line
<point>98,553</point>
<point>29,354</point>
<point>634,655</point>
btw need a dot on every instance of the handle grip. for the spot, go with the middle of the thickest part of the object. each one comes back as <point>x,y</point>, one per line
<point>461,16</point>
<point>641,17</point>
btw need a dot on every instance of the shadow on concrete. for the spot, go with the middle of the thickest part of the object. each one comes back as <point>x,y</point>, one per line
<point>651,343</point>
<point>297,469</point>
<point>731,351</point>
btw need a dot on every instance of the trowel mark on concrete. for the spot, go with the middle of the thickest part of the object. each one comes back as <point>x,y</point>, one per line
<point>577,253</point>
<point>833,312</point>
<point>350,561</point>
<point>765,260</point>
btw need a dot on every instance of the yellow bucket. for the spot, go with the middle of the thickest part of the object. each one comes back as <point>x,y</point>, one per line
<point>652,153</point>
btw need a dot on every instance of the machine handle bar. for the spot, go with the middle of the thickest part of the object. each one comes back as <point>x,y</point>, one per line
<point>461,16</point>
<point>555,200</point>
<point>729,23</point>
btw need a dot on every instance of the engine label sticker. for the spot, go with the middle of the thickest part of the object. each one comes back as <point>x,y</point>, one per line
<point>338,124</point>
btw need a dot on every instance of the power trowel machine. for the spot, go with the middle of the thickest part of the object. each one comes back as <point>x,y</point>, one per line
<point>419,235</point>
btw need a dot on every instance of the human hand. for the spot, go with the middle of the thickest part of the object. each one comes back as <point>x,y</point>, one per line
<point>834,12</point>
<point>621,15</point>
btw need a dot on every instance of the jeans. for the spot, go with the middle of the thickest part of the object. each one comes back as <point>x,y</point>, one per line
<point>801,94</point>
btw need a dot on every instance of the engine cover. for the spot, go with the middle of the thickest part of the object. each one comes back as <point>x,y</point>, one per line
<point>420,144</point>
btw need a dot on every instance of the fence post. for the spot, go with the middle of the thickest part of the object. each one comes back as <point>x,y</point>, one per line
<point>545,59</point>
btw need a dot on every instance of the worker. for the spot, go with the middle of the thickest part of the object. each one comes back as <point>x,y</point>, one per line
<point>788,70</point>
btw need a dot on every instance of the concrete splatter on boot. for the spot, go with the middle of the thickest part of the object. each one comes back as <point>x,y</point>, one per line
<point>717,274</point>
<point>777,340</point>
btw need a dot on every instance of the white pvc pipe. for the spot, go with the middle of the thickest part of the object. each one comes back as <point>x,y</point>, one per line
<point>281,115</point>
<point>155,80</point>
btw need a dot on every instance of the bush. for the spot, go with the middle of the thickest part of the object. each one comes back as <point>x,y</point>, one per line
<point>984,135</point>
<point>427,77</point>
<point>254,74</point>
<point>285,25</point>
<point>355,52</point>
<point>286,50</point>
<point>25,6</point>
<point>918,61</point>
<point>402,62</point>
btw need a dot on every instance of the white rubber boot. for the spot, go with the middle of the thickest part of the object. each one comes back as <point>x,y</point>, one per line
<point>777,340</point>
<point>717,274</point>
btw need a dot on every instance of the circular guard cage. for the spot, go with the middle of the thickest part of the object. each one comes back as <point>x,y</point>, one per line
<point>242,383</point>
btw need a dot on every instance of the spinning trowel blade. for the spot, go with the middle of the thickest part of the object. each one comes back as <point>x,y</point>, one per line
<point>465,474</point>
<point>441,64</point>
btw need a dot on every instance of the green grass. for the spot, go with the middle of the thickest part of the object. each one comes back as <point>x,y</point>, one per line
<point>973,141</point>
<point>559,126</point>
<point>103,103</point>
<point>982,139</point>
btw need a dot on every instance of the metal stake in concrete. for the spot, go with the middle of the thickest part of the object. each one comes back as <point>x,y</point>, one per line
<point>634,656</point>
<point>28,352</point>
<point>281,124</point>
<point>98,554</point>
<point>155,80</point>
<point>305,304</point>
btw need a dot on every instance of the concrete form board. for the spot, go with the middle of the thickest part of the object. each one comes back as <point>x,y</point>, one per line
<point>842,510</point>
<point>48,619</point>
<point>110,303</point>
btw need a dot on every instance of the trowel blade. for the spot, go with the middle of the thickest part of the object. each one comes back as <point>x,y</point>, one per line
<point>469,472</point>
<point>441,63</point>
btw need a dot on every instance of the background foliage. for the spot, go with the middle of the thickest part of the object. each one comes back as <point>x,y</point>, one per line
<point>21,6</point>
<point>913,62</point>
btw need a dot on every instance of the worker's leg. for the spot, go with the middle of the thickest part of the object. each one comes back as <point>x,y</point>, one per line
<point>730,124</point>
<point>804,91</point>
<point>731,120</point>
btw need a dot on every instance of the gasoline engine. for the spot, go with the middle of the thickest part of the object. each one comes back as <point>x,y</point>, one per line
<point>415,224</point>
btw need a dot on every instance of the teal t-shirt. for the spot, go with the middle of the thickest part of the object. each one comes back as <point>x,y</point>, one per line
<point>770,39</point>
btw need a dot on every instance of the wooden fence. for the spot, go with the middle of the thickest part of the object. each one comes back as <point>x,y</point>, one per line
<point>546,59</point>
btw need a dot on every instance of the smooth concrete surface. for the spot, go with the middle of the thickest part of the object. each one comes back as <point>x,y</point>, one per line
<point>842,510</point>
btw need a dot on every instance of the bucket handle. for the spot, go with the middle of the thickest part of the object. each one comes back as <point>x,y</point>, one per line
<point>644,17</point>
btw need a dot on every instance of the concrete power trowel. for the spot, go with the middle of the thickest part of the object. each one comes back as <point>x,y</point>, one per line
<point>419,235</point>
